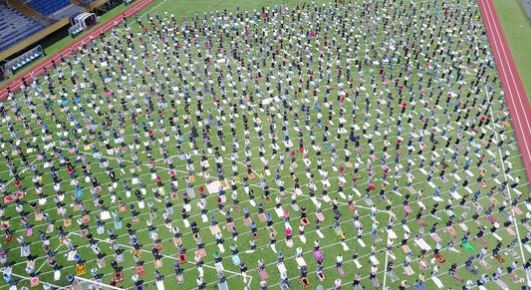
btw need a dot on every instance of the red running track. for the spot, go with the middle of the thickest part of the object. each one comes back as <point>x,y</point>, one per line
<point>15,84</point>
<point>515,95</point>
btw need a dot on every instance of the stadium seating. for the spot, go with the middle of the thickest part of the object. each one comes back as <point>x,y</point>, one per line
<point>48,7</point>
<point>15,27</point>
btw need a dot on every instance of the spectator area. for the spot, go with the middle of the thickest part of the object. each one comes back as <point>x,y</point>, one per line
<point>15,27</point>
<point>47,7</point>
<point>527,7</point>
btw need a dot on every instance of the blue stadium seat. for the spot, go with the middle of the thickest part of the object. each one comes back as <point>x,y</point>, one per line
<point>48,7</point>
<point>15,27</point>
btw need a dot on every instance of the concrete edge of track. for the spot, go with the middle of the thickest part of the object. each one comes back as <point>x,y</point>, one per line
<point>514,92</point>
<point>38,70</point>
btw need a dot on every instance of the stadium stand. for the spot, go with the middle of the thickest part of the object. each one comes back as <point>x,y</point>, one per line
<point>15,27</point>
<point>48,7</point>
<point>527,7</point>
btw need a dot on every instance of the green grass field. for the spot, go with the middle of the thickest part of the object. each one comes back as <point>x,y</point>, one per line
<point>369,109</point>
<point>515,23</point>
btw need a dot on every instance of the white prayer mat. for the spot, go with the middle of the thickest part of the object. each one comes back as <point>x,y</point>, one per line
<point>437,282</point>
<point>282,268</point>
<point>463,226</point>
<point>374,260</point>
<point>422,244</point>
<point>501,284</point>
<point>455,195</point>
<point>279,211</point>
<point>214,186</point>
<point>105,215</point>
<point>267,101</point>
<point>190,192</point>
<point>391,234</point>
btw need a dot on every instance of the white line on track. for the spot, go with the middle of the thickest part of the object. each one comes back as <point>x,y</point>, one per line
<point>499,48</point>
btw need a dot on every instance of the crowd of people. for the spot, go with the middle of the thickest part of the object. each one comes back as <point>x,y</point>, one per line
<point>366,143</point>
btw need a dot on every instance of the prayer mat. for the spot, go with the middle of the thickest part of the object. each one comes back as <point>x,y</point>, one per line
<point>34,282</point>
<point>502,284</point>
<point>300,261</point>
<point>440,258</point>
<point>318,256</point>
<point>374,260</point>
<point>451,231</point>
<point>182,258</point>
<point>281,268</point>
<point>235,259</point>
<point>437,282</point>
<point>223,286</point>
<point>375,283</point>
<point>468,246</point>
<point>279,211</point>
<point>201,253</point>
<point>483,242</point>
<point>435,237</point>
<point>421,286</point>
<point>214,186</point>
<point>80,269</point>
<point>341,271</point>
<point>320,216</point>
<point>264,276</point>
<point>305,283</point>
<point>422,244</point>
<point>229,226</point>
<point>214,230</point>
<point>484,264</point>
<point>500,259</point>
<point>424,265</point>
<point>139,270</point>
<point>408,271</point>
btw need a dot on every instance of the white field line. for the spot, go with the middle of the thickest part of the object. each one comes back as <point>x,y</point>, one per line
<point>507,187</point>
